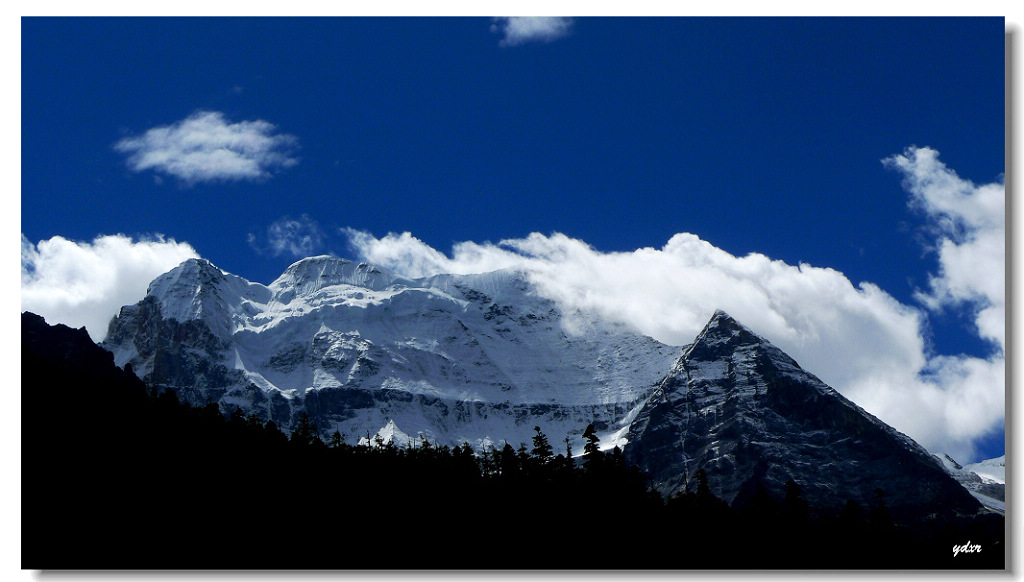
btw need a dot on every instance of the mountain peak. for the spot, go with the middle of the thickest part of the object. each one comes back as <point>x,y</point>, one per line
<point>743,411</point>
<point>316,260</point>
<point>188,278</point>
<point>721,323</point>
<point>311,274</point>
<point>722,335</point>
<point>198,289</point>
<point>720,314</point>
<point>198,263</point>
<point>189,267</point>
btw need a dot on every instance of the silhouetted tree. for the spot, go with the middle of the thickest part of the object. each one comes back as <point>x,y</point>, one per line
<point>541,448</point>
<point>337,440</point>
<point>618,461</point>
<point>490,464</point>
<point>305,432</point>
<point>591,453</point>
<point>523,458</point>
<point>703,489</point>
<point>274,434</point>
<point>508,462</point>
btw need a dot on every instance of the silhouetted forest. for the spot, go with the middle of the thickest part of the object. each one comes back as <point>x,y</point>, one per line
<point>117,476</point>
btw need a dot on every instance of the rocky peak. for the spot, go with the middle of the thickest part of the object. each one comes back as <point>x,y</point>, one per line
<point>726,339</point>
<point>744,412</point>
<point>198,290</point>
<point>191,275</point>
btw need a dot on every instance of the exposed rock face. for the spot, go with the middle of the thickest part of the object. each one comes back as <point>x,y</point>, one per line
<point>475,358</point>
<point>743,411</point>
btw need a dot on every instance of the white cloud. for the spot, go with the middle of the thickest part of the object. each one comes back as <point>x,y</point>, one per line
<point>522,29</point>
<point>204,147</point>
<point>86,284</point>
<point>969,223</point>
<point>856,338</point>
<point>412,257</point>
<point>299,237</point>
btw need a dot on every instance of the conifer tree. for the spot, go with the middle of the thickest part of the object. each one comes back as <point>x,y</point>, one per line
<point>703,490</point>
<point>508,462</point>
<point>306,432</point>
<point>252,420</point>
<point>590,449</point>
<point>618,460</point>
<point>274,433</point>
<point>541,448</point>
<point>488,462</point>
<point>591,453</point>
<point>523,457</point>
<point>337,439</point>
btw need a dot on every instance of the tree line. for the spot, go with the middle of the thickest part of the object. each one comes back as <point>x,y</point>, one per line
<point>117,475</point>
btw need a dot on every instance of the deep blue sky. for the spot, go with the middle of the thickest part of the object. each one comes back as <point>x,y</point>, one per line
<point>758,135</point>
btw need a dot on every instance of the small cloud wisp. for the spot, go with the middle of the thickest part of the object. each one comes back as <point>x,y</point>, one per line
<point>517,30</point>
<point>205,147</point>
<point>296,237</point>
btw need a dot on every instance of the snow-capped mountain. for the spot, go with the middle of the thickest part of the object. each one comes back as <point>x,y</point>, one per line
<point>484,359</point>
<point>739,408</point>
<point>986,480</point>
<point>992,470</point>
<point>450,358</point>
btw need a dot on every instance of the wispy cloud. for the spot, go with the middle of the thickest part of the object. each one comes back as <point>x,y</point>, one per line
<point>85,284</point>
<point>969,226</point>
<point>205,147</point>
<point>857,338</point>
<point>518,30</point>
<point>298,237</point>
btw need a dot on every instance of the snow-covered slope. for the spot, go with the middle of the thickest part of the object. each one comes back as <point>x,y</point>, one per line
<point>744,412</point>
<point>476,358</point>
<point>992,470</point>
<point>986,480</point>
